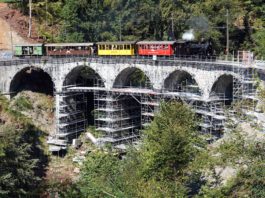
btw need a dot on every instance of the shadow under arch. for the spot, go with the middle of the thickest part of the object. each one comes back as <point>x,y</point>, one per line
<point>223,88</point>
<point>131,104</point>
<point>132,77</point>
<point>83,76</point>
<point>181,81</point>
<point>32,79</point>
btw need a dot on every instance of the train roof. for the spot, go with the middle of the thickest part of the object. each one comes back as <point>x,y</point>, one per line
<point>117,43</point>
<point>181,41</point>
<point>68,44</point>
<point>156,42</point>
<point>28,44</point>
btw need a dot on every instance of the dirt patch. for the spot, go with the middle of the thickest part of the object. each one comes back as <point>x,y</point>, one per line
<point>8,36</point>
<point>12,20</point>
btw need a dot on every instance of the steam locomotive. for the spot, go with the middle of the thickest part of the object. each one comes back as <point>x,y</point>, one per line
<point>120,48</point>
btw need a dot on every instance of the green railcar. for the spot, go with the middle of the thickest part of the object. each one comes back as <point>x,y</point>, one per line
<point>29,50</point>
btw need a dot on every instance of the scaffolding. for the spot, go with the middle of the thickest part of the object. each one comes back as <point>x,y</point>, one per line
<point>212,115</point>
<point>149,107</point>
<point>116,117</point>
<point>245,85</point>
<point>71,119</point>
<point>120,113</point>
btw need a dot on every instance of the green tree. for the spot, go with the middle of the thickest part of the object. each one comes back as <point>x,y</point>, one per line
<point>170,143</point>
<point>22,159</point>
<point>158,169</point>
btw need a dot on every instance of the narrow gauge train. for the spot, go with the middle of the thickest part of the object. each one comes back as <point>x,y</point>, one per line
<point>121,48</point>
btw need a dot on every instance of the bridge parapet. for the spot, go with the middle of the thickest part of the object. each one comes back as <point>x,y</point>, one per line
<point>118,59</point>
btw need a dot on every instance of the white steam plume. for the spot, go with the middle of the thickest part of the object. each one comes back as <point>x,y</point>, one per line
<point>188,35</point>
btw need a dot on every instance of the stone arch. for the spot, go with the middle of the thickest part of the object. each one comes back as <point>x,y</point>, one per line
<point>223,87</point>
<point>83,76</point>
<point>132,76</point>
<point>32,78</point>
<point>178,80</point>
<point>78,74</point>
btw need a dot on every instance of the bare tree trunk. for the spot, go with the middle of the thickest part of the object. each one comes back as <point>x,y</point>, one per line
<point>30,18</point>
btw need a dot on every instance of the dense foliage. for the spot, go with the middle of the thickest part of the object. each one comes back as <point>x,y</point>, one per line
<point>22,160</point>
<point>97,20</point>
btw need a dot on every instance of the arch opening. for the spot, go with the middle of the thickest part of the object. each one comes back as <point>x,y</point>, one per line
<point>32,79</point>
<point>181,81</point>
<point>131,115</point>
<point>223,88</point>
<point>132,77</point>
<point>81,103</point>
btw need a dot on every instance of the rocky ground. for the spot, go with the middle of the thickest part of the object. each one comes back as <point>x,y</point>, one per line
<point>39,107</point>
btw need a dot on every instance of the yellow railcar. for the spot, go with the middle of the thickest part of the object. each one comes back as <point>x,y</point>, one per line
<point>121,48</point>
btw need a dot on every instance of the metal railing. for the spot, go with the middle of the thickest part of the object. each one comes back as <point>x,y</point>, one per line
<point>160,60</point>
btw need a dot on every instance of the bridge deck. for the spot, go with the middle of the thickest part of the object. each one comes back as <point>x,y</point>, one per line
<point>165,61</point>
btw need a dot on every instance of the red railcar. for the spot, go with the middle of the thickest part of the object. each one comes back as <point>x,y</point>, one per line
<point>159,48</point>
<point>69,49</point>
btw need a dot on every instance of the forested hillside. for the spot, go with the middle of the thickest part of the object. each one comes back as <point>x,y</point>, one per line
<point>112,20</point>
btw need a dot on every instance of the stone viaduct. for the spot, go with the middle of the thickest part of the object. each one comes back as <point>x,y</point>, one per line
<point>208,75</point>
<point>204,73</point>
